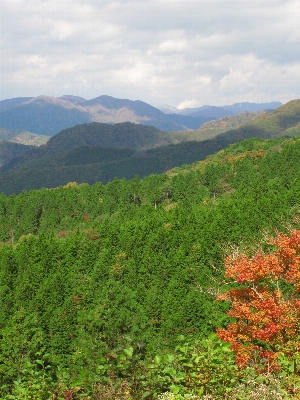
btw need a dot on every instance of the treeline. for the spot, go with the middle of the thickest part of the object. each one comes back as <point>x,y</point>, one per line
<point>85,269</point>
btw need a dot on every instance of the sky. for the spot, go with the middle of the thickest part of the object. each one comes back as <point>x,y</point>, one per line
<point>182,53</point>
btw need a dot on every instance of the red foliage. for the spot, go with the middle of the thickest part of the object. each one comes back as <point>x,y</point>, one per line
<point>67,395</point>
<point>266,319</point>
<point>86,217</point>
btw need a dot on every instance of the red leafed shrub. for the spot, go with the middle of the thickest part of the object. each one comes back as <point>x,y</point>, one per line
<point>265,303</point>
<point>67,395</point>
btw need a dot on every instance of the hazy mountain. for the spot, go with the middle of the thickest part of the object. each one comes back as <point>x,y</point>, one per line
<point>73,99</point>
<point>48,115</point>
<point>9,103</point>
<point>213,112</point>
<point>238,108</point>
<point>43,115</point>
<point>190,122</point>
<point>166,109</point>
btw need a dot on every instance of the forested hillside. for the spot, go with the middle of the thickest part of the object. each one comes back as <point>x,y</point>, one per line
<point>84,153</point>
<point>10,150</point>
<point>284,121</point>
<point>214,128</point>
<point>96,281</point>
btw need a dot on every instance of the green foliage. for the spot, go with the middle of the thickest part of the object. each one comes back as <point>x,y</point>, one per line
<point>97,282</point>
<point>195,367</point>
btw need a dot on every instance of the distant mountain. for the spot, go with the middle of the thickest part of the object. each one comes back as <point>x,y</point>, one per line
<point>48,115</point>
<point>23,137</point>
<point>238,108</point>
<point>73,99</point>
<point>166,109</point>
<point>43,115</point>
<point>77,154</point>
<point>9,103</point>
<point>190,122</point>
<point>213,112</point>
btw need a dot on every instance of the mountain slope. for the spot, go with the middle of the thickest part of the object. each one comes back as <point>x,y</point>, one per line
<point>274,124</point>
<point>23,137</point>
<point>238,108</point>
<point>43,115</point>
<point>215,127</point>
<point>207,112</point>
<point>10,103</point>
<point>122,135</point>
<point>97,279</point>
<point>9,151</point>
<point>125,135</point>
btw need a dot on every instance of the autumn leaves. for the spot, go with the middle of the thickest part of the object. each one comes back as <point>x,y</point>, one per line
<point>264,303</point>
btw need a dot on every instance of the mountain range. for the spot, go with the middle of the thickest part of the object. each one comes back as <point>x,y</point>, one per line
<point>100,152</point>
<point>208,111</point>
<point>45,115</point>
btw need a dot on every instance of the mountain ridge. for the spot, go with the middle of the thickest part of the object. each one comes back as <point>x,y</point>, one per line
<point>48,115</point>
<point>221,111</point>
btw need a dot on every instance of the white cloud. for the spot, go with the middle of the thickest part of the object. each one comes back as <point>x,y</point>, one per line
<point>188,103</point>
<point>160,51</point>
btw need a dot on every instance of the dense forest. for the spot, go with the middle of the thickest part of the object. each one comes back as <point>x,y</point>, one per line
<point>109,291</point>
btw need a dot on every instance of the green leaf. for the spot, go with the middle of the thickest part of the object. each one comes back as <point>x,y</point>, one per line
<point>146,394</point>
<point>175,389</point>
<point>103,366</point>
<point>157,360</point>
<point>128,351</point>
<point>212,336</point>
<point>200,391</point>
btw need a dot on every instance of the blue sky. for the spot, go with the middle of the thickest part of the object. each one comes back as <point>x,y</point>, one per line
<point>183,53</point>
